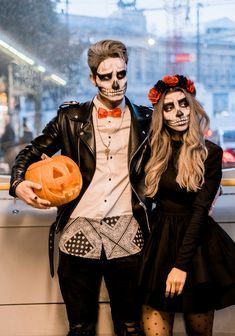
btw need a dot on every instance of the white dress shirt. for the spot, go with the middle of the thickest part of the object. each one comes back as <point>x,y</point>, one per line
<point>109,193</point>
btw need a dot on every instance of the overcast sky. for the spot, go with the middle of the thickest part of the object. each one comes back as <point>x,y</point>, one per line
<point>158,19</point>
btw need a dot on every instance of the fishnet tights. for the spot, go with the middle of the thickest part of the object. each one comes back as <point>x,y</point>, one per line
<point>159,323</point>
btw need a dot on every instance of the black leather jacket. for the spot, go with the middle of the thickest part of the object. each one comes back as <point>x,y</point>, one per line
<point>72,133</point>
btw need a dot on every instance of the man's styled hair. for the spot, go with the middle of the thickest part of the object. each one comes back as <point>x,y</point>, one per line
<point>104,49</point>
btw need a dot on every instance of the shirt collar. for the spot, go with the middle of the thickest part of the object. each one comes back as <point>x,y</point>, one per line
<point>99,104</point>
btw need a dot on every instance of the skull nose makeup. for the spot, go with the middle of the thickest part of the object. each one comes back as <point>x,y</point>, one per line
<point>115,85</point>
<point>179,113</point>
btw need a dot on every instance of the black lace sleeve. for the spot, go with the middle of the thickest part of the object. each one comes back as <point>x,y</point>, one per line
<point>201,206</point>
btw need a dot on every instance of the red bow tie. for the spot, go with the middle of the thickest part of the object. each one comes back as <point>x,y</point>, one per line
<point>115,113</point>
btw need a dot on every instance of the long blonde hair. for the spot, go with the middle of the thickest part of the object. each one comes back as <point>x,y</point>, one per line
<point>193,152</point>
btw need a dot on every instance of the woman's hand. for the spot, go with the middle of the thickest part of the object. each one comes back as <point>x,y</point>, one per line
<point>175,282</point>
<point>25,192</point>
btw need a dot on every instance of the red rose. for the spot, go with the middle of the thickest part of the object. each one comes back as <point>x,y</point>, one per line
<point>170,80</point>
<point>154,95</point>
<point>190,86</point>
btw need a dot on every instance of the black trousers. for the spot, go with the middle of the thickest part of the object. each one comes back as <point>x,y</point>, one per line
<point>80,281</point>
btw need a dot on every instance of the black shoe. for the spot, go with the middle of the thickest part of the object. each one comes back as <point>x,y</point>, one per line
<point>122,330</point>
<point>72,333</point>
<point>77,332</point>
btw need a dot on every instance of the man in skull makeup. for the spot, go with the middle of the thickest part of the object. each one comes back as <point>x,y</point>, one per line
<point>104,229</point>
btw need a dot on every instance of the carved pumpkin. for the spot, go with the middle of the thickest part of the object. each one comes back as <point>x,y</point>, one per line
<point>59,176</point>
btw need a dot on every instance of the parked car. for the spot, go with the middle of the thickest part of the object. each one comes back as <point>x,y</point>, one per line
<point>225,137</point>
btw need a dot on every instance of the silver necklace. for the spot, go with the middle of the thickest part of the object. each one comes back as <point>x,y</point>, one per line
<point>107,146</point>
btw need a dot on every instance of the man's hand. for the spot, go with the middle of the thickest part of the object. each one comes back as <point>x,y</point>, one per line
<point>175,282</point>
<point>25,192</point>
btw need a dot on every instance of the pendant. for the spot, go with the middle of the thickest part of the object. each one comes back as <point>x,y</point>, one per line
<point>107,151</point>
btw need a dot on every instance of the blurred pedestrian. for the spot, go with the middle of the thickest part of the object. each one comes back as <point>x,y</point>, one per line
<point>8,136</point>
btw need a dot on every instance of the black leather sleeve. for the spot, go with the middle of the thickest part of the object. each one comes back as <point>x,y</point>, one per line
<point>48,142</point>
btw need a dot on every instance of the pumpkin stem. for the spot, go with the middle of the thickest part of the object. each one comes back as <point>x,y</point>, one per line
<point>45,157</point>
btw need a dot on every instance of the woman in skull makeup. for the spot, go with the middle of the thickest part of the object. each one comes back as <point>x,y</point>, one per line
<point>188,262</point>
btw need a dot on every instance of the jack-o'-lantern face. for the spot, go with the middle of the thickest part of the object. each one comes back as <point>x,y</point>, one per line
<point>111,79</point>
<point>60,178</point>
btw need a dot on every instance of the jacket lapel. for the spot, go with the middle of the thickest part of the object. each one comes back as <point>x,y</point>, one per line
<point>85,129</point>
<point>86,132</point>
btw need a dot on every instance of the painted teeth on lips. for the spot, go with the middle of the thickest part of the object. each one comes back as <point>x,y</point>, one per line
<point>179,122</point>
<point>113,92</point>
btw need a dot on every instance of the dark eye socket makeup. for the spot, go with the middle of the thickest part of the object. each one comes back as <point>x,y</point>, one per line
<point>121,74</point>
<point>183,102</point>
<point>170,106</point>
<point>105,77</point>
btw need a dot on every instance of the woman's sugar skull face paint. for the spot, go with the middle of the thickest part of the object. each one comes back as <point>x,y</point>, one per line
<point>111,78</point>
<point>176,111</point>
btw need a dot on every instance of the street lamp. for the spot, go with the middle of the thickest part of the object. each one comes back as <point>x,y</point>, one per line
<point>151,41</point>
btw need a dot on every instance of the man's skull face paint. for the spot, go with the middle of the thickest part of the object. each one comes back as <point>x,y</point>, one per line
<point>176,111</point>
<point>111,78</point>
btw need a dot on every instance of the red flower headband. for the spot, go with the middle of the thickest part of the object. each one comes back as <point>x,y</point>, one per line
<point>169,82</point>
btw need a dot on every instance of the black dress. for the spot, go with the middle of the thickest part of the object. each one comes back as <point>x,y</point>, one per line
<point>184,236</point>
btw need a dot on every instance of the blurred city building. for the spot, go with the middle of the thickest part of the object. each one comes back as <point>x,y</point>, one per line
<point>31,89</point>
<point>208,57</point>
<point>25,82</point>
